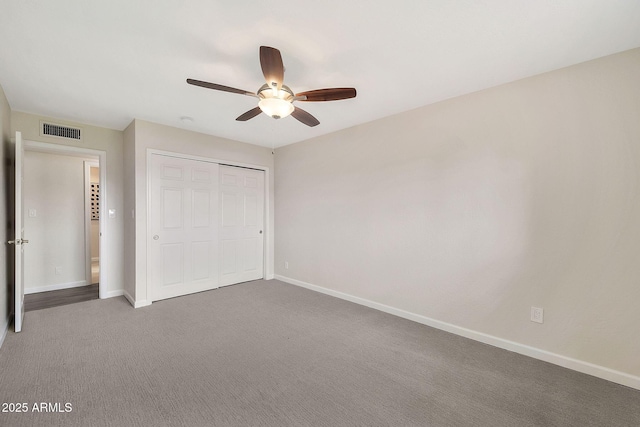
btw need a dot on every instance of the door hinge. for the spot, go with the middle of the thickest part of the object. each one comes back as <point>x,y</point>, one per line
<point>18,242</point>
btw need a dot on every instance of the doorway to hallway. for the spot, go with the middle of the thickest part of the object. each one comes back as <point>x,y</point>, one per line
<point>63,217</point>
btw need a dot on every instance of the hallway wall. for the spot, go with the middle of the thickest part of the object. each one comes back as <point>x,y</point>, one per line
<point>54,221</point>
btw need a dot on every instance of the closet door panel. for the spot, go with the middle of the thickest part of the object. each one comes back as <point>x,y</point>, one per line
<point>241,224</point>
<point>183,227</point>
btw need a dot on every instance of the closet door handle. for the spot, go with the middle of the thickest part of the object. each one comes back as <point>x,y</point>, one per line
<point>156,237</point>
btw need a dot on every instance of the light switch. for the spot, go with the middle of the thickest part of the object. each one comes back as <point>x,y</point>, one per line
<point>32,213</point>
<point>112,213</point>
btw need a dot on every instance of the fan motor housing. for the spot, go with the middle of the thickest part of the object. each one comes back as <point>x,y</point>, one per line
<point>266,91</point>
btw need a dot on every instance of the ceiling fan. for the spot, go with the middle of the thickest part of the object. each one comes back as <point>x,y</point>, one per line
<point>276,99</point>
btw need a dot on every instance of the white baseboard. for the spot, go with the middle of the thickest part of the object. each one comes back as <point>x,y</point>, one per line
<point>55,287</point>
<point>130,299</point>
<point>113,294</point>
<point>3,330</point>
<point>547,356</point>
<point>134,303</point>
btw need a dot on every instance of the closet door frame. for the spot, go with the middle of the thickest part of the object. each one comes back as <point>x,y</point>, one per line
<point>268,230</point>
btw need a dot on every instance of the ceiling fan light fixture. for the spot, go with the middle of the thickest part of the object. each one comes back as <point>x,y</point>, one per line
<point>276,107</point>
<point>276,103</point>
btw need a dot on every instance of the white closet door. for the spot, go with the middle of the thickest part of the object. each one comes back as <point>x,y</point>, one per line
<point>241,224</point>
<point>183,227</point>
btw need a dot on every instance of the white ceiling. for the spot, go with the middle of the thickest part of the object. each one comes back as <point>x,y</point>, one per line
<point>106,63</point>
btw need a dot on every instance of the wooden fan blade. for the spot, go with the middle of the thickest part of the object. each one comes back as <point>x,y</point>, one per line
<point>333,94</point>
<point>249,114</point>
<point>220,87</point>
<point>272,66</point>
<point>304,117</point>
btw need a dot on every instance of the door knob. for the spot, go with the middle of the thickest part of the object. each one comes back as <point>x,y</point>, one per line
<point>156,237</point>
<point>260,231</point>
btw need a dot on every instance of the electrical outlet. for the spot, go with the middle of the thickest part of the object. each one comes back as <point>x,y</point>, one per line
<point>286,265</point>
<point>537,314</point>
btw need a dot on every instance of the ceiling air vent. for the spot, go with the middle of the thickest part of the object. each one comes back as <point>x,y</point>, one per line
<point>51,129</point>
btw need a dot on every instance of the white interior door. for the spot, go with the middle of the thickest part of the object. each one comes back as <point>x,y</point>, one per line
<point>19,240</point>
<point>183,227</point>
<point>241,225</point>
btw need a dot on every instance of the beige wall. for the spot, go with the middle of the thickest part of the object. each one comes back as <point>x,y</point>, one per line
<point>96,138</point>
<point>6,279</point>
<point>472,210</point>
<point>147,136</point>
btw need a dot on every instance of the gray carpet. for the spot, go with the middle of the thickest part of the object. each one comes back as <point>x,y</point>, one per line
<point>272,354</point>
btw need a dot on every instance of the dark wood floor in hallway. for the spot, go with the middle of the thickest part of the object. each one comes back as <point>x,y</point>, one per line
<point>62,297</point>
